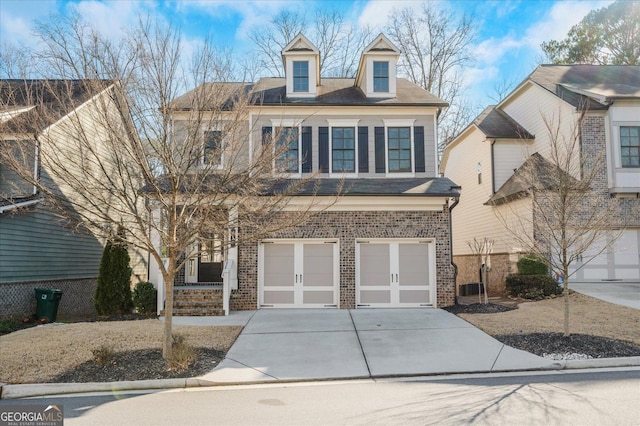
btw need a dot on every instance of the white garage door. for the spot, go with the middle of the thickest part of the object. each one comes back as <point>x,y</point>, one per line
<point>395,273</point>
<point>298,274</point>
<point>618,262</point>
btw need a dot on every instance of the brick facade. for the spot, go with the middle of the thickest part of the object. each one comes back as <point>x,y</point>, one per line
<point>502,264</point>
<point>348,227</point>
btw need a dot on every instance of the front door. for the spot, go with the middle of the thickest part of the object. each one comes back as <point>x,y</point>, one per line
<point>207,261</point>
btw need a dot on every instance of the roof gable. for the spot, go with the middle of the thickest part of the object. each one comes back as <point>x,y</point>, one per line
<point>382,44</point>
<point>300,43</point>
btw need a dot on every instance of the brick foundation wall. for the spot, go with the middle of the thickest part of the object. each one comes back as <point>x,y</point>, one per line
<point>502,264</point>
<point>17,300</point>
<point>347,227</point>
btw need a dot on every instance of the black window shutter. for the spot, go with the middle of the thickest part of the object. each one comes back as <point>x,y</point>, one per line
<point>380,154</point>
<point>363,149</point>
<point>266,135</point>
<point>323,147</point>
<point>307,166</point>
<point>418,144</point>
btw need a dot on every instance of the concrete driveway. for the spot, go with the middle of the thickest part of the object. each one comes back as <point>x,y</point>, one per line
<point>307,344</point>
<point>625,294</point>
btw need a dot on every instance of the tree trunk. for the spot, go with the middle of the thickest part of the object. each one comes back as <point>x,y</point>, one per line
<point>566,303</point>
<point>167,341</point>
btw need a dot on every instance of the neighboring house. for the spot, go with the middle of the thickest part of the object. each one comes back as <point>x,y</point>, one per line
<point>37,248</point>
<point>486,158</point>
<point>386,240</point>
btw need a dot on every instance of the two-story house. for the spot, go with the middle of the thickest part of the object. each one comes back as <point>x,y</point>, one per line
<point>599,106</point>
<point>385,241</point>
<point>37,247</point>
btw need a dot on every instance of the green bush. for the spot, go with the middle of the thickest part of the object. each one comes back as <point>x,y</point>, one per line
<point>532,265</point>
<point>145,297</point>
<point>532,286</point>
<point>113,292</point>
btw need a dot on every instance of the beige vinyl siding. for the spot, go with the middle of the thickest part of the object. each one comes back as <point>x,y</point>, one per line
<point>64,151</point>
<point>535,105</point>
<point>508,155</point>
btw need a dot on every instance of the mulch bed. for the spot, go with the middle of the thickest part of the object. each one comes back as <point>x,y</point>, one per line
<point>549,343</point>
<point>139,365</point>
<point>552,343</point>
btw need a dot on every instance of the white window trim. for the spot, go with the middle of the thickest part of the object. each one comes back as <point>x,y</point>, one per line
<point>220,165</point>
<point>618,144</point>
<point>343,123</point>
<point>399,123</point>
<point>281,123</point>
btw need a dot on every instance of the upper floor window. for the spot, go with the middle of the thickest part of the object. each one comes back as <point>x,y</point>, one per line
<point>288,146</point>
<point>399,149</point>
<point>213,147</point>
<point>380,76</point>
<point>343,149</point>
<point>300,76</point>
<point>630,146</point>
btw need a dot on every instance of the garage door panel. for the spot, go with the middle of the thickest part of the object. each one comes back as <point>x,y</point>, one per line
<point>414,296</point>
<point>375,269</point>
<point>318,297</point>
<point>278,297</point>
<point>318,266</point>
<point>625,248</point>
<point>375,296</point>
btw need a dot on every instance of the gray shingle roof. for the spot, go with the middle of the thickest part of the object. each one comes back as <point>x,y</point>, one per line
<point>497,124</point>
<point>332,91</point>
<point>517,186</point>
<point>605,82</point>
<point>57,97</point>
<point>410,187</point>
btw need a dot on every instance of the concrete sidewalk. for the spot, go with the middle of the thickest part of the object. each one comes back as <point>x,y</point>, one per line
<point>336,344</point>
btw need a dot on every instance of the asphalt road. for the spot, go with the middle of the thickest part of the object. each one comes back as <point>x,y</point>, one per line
<point>595,397</point>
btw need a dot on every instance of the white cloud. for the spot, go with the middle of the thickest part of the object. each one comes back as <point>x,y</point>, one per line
<point>112,18</point>
<point>376,13</point>
<point>559,20</point>
<point>490,50</point>
<point>16,21</point>
<point>473,76</point>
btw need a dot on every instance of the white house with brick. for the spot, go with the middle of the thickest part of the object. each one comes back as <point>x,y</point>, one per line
<point>485,157</point>
<point>385,242</point>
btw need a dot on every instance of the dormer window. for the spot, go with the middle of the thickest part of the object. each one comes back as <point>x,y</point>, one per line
<point>300,76</point>
<point>380,76</point>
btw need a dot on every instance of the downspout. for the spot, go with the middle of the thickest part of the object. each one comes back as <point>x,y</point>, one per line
<point>493,169</point>
<point>456,200</point>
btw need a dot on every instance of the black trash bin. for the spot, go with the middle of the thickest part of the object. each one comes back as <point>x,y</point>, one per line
<point>48,300</point>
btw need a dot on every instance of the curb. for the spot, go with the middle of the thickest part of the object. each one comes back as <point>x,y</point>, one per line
<point>8,391</point>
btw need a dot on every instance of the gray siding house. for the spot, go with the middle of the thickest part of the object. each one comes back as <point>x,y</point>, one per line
<point>386,241</point>
<point>37,248</point>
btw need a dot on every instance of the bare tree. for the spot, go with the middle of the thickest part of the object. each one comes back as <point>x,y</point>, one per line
<point>337,40</point>
<point>436,48</point>
<point>132,156</point>
<point>482,249</point>
<point>569,213</point>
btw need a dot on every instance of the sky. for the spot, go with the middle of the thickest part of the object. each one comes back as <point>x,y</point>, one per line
<point>506,51</point>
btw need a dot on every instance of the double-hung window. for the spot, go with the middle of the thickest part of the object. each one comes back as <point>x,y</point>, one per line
<point>212,148</point>
<point>630,146</point>
<point>300,76</point>
<point>343,149</point>
<point>380,76</point>
<point>399,149</point>
<point>288,150</point>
